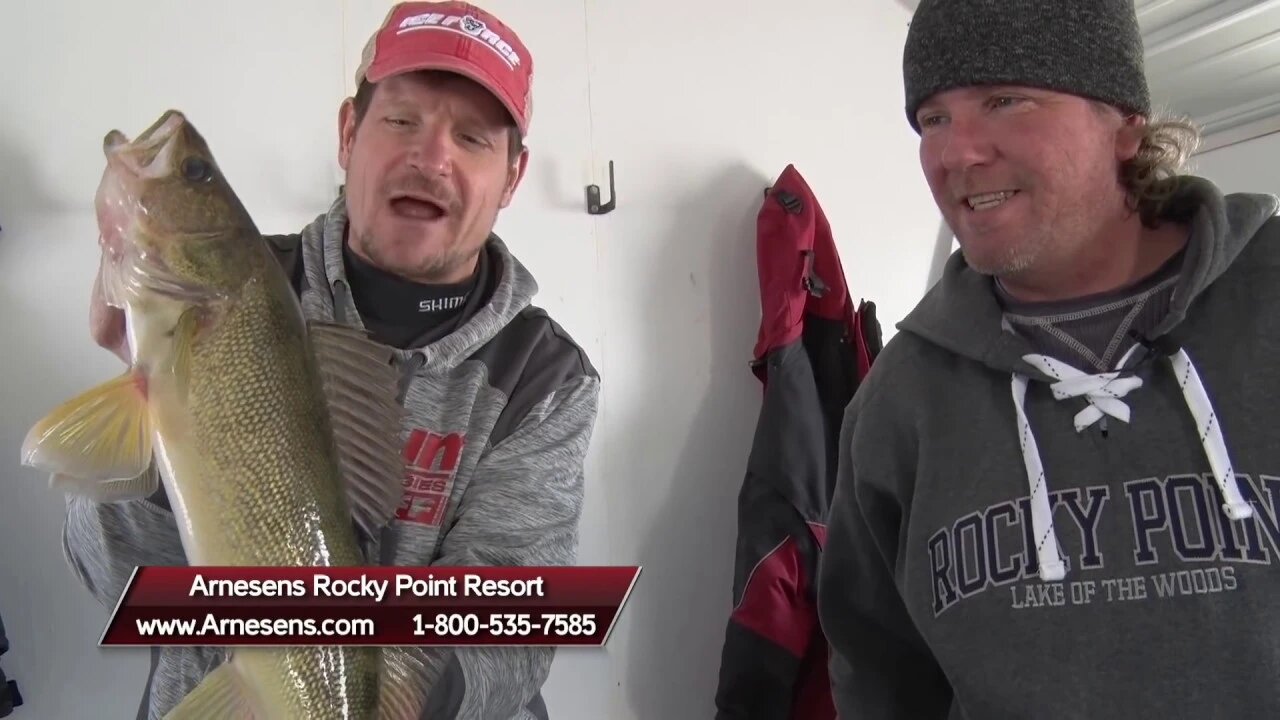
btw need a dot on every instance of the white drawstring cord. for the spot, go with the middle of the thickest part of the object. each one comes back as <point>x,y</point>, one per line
<point>1051,565</point>
<point>1215,447</point>
<point>1105,393</point>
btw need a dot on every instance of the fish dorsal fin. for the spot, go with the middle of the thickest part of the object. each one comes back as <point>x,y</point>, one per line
<point>361,386</point>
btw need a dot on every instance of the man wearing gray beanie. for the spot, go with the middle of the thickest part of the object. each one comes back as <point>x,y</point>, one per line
<point>1059,487</point>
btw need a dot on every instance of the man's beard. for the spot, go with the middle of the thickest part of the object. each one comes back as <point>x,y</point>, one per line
<point>1052,240</point>
<point>435,268</point>
<point>1011,261</point>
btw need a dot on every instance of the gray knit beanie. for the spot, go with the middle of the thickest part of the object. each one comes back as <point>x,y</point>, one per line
<point>1091,48</point>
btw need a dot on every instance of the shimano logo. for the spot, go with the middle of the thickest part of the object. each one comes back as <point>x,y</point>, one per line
<point>465,25</point>
<point>441,304</point>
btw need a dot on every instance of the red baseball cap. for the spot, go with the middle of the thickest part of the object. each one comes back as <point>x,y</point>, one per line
<point>458,37</point>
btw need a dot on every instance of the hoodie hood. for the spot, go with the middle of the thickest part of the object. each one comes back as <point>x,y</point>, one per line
<point>962,315</point>
<point>513,290</point>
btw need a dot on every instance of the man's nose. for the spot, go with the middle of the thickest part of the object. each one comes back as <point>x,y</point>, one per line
<point>968,142</point>
<point>432,152</point>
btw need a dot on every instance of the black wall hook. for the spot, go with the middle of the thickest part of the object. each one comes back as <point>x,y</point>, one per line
<point>594,206</point>
<point>787,200</point>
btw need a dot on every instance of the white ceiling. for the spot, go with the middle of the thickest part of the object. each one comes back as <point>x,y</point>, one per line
<point>1217,61</point>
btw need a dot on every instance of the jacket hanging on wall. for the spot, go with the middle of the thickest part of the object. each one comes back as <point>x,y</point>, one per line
<point>10,698</point>
<point>813,350</point>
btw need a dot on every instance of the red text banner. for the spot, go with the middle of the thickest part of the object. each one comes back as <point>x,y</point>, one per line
<point>280,606</point>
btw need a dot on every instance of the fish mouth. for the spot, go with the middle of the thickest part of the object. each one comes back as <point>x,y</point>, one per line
<point>151,154</point>
<point>129,164</point>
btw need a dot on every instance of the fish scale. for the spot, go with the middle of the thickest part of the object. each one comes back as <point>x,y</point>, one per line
<point>242,415</point>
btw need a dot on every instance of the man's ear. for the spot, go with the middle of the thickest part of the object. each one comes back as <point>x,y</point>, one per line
<point>346,131</point>
<point>515,173</point>
<point>1129,136</point>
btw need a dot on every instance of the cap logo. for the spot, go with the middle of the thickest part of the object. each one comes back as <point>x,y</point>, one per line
<point>463,25</point>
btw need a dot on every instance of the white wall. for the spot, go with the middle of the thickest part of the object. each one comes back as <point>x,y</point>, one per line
<point>699,104</point>
<point>1249,166</point>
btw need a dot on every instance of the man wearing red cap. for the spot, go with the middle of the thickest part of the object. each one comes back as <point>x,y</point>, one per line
<point>500,401</point>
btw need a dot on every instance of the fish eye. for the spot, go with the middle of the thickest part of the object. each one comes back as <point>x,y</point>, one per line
<point>196,169</point>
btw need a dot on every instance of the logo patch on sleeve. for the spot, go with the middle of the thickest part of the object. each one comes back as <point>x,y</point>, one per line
<point>431,464</point>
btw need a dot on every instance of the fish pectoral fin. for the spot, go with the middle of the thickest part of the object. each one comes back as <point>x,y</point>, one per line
<point>102,434</point>
<point>185,333</point>
<point>220,696</point>
<point>361,387</point>
<point>105,491</point>
<point>403,683</point>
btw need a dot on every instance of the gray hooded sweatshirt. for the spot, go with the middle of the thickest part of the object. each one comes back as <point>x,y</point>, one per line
<point>993,553</point>
<point>499,416</point>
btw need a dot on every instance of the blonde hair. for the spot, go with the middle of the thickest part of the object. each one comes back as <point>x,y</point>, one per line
<point>1150,176</point>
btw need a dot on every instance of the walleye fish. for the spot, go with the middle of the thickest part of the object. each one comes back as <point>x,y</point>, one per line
<point>270,434</point>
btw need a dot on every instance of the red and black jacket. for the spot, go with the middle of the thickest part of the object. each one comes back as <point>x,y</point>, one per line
<point>813,349</point>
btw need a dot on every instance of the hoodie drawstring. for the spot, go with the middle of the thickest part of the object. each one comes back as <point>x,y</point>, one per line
<point>1215,447</point>
<point>409,371</point>
<point>1105,393</point>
